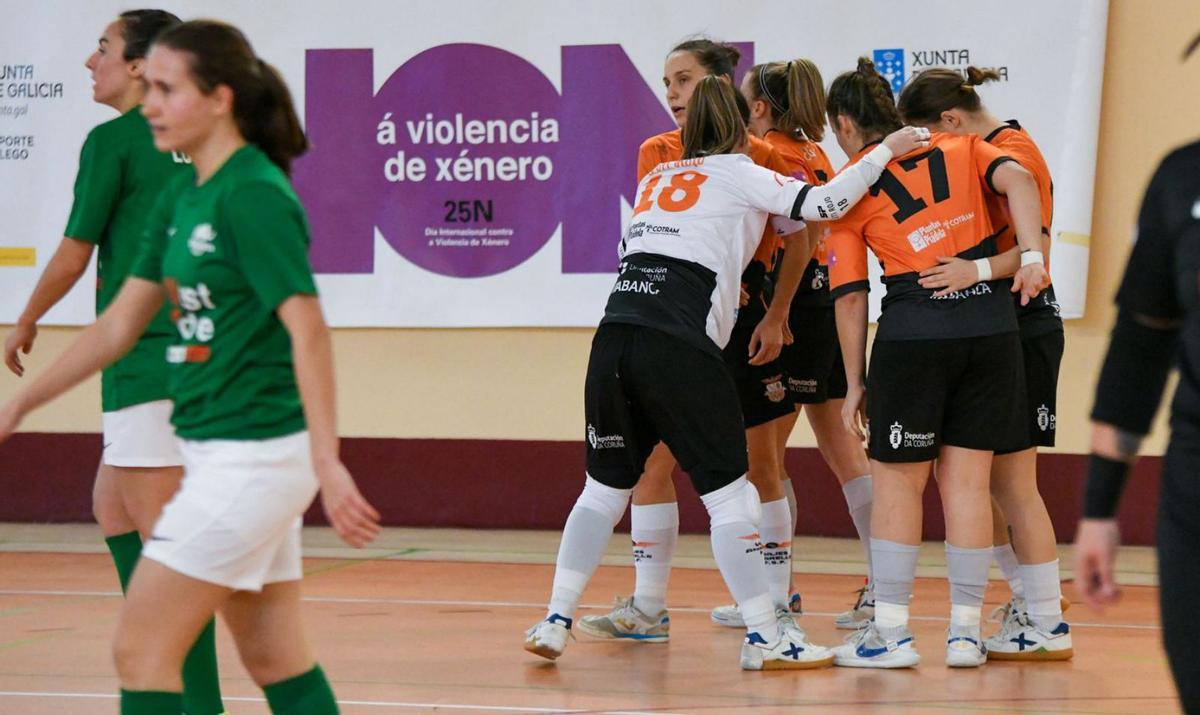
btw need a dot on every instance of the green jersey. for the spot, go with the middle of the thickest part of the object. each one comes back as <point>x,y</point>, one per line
<point>228,253</point>
<point>120,176</point>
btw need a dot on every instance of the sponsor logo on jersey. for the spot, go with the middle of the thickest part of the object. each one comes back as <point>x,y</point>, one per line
<point>819,279</point>
<point>807,387</point>
<point>201,240</point>
<point>896,436</point>
<point>975,290</point>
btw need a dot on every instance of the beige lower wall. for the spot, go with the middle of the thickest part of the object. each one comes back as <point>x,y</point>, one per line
<point>528,384</point>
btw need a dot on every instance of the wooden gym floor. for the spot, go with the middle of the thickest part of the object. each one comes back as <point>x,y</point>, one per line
<point>432,621</point>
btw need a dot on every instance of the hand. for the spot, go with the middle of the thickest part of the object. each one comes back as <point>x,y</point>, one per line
<point>950,275</point>
<point>788,338</point>
<point>1095,556</point>
<point>906,139</point>
<point>21,338</point>
<point>743,296</point>
<point>350,515</point>
<point>767,340</point>
<point>854,411</point>
<point>10,418</point>
<point>1030,281</point>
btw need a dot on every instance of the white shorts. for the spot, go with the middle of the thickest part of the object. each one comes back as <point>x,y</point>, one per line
<point>236,518</point>
<point>141,436</point>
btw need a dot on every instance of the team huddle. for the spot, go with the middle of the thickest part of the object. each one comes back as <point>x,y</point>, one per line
<point>741,301</point>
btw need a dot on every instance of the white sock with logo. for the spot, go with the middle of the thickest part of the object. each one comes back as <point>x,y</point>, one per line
<point>654,529</point>
<point>736,546</point>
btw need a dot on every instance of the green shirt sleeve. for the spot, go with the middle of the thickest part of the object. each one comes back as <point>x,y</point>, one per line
<point>97,188</point>
<point>271,238</point>
<point>149,260</point>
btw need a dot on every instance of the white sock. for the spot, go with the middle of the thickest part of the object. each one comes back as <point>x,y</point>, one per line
<point>735,546</point>
<point>965,616</point>
<point>775,531</point>
<point>1043,592</point>
<point>789,493</point>
<point>859,493</point>
<point>586,534</point>
<point>891,615</point>
<point>655,531</point>
<point>1006,559</point>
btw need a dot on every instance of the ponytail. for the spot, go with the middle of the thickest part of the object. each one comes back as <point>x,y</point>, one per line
<point>795,94</point>
<point>865,97</point>
<point>935,91</point>
<point>714,125</point>
<point>262,105</point>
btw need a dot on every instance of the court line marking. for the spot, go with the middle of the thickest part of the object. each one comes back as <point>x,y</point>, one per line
<point>519,604</point>
<point>364,703</point>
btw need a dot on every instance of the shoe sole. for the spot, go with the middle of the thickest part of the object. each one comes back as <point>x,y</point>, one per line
<point>851,625</point>
<point>727,623</point>
<point>965,662</point>
<point>894,665</point>
<point>545,651</point>
<point>797,664</point>
<point>605,635</point>
<point>1036,655</point>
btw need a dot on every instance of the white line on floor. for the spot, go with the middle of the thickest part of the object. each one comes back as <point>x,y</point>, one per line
<point>364,703</point>
<point>518,604</point>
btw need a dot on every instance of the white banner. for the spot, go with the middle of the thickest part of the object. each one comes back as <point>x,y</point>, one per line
<point>473,162</point>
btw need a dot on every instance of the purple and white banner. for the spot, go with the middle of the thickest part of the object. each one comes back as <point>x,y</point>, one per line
<point>473,163</point>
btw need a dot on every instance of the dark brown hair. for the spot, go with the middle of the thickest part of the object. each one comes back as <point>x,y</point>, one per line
<point>795,94</point>
<point>714,123</point>
<point>262,105</point>
<point>939,90</point>
<point>865,97</point>
<point>716,58</point>
<point>140,27</point>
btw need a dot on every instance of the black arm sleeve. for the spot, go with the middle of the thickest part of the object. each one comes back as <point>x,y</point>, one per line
<point>1134,374</point>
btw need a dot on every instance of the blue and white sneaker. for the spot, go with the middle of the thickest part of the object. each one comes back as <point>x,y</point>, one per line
<point>1020,639</point>
<point>875,647</point>
<point>627,622</point>
<point>965,647</point>
<point>792,651</point>
<point>548,638</point>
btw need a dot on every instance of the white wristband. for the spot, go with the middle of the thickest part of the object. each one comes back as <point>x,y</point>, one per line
<point>1031,257</point>
<point>984,267</point>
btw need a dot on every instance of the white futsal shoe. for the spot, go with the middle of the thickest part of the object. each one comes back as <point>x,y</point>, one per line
<point>965,647</point>
<point>1020,639</point>
<point>548,638</point>
<point>874,647</point>
<point>626,622</point>
<point>792,651</point>
<point>862,612</point>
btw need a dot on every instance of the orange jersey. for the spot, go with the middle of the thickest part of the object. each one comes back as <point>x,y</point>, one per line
<point>807,161</point>
<point>1041,314</point>
<point>927,204</point>
<point>668,146</point>
<point>1016,142</point>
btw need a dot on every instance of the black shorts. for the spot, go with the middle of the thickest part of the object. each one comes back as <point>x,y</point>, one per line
<point>812,364</point>
<point>1043,354</point>
<point>760,388</point>
<point>645,386</point>
<point>959,392</point>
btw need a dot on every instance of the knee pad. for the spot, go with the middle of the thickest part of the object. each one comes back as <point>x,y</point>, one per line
<point>603,499</point>
<point>735,503</point>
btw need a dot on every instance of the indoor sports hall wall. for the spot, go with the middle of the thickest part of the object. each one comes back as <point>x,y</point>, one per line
<point>482,427</point>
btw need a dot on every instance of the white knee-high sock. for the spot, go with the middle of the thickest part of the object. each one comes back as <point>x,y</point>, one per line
<point>588,529</point>
<point>775,531</point>
<point>655,531</point>
<point>736,546</point>
<point>859,493</point>
<point>1006,559</point>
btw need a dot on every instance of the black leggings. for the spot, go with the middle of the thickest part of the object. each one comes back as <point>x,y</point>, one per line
<point>1179,567</point>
